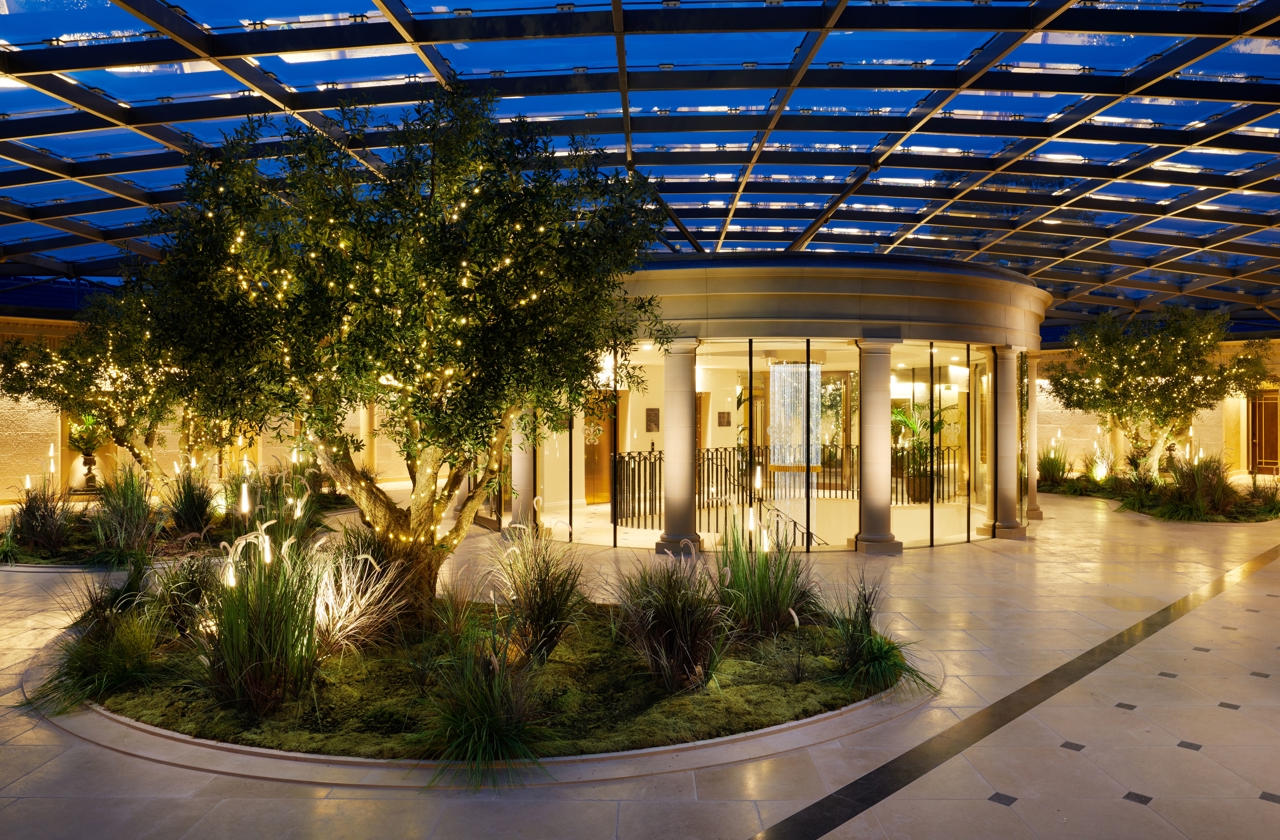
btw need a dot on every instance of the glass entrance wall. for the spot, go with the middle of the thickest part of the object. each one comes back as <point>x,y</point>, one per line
<point>982,441</point>
<point>777,441</point>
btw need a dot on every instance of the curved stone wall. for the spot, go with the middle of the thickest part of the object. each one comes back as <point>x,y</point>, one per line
<point>808,295</point>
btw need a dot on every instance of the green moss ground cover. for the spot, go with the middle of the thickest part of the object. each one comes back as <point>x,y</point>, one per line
<point>594,695</point>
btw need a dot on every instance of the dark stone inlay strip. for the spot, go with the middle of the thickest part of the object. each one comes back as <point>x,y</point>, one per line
<point>1002,798</point>
<point>1232,706</point>
<point>836,809</point>
<point>1126,706</point>
<point>1270,797</point>
<point>1072,745</point>
<point>1188,745</point>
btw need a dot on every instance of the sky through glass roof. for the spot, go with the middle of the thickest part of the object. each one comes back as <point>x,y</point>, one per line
<point>1122,155</point>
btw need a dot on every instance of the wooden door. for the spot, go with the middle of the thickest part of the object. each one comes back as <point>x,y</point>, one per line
<point>1264,433</point>
<point>596,461</point>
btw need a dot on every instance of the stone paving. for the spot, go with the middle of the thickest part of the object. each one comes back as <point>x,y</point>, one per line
<point>1180,737</point>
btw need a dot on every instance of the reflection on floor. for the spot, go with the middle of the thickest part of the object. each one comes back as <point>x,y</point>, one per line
<point>1178,738</point>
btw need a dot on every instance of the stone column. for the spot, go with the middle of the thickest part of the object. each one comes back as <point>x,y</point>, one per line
<point>875,447</point>
<point>1033,438</point>
<point>1008,526</point>
<point>523,481</point>
<point>679,457</point>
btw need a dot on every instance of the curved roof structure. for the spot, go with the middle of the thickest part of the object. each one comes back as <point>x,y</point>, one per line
<point>1123,155</point>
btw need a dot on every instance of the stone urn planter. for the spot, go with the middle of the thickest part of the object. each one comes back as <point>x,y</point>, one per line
<point>90,480</point>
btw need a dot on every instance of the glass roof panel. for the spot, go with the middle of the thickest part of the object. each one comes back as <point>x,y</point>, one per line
<point>150,83</point>
<point>580,54</point>
<point>35,22</point>
<point>91,144</point>
<point>1069,52</point>
<point>997,104</point>
<point>241,14</point>
<point>842,100</point>
<point>1255,59</point>
<point>732,49</point>
<point>18,100</point>
<point>910,50</point>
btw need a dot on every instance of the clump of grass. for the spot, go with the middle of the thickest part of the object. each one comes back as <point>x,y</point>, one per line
<point>123,519</point>
<point>765,589</point>
<point>284,507</point>
<point>867,661</point>
<point>1265,496</point>
<point>10,553</point>
<point>487,725</point>
<point>189,502</point>
<point>1197,491</point>
<point>542,582</point>
<point>1053,464</point>
<point>112,646</point>
<point>259,644</point>
<point>357,598</point>
<point>43,519</point>
<point>673,617</point>
<point>180,590</point>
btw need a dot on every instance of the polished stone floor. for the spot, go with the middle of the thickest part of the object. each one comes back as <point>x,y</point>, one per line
<point>1179,737</point>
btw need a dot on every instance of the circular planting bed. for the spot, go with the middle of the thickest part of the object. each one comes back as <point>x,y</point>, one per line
<point>293,641</point>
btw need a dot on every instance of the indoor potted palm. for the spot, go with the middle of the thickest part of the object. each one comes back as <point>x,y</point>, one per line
<point>86,437</point>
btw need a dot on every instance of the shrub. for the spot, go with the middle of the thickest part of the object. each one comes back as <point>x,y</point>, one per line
<point>123,519</point>
<point>764,589</point>
<point>1053,464</point>
<point>43,518</point>
<point>357,598</point>
<point>189,502</point>
<point>259,643</point>
<point>487,719</point>
<point>672,615</point>
<point>541,580</point>
<point>1198,490</point>
<point>867,661</point>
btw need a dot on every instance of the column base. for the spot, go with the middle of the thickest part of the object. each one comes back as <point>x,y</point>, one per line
<point>1035,513</point>
<point>879,546</point>
<point>679,546</point>
<point>1017,532</point>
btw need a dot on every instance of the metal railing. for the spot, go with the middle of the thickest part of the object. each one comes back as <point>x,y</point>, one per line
<point>637,499</point>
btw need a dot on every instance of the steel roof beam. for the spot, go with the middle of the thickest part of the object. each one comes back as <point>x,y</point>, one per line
<point>246,71</point>
<point>502,27</point>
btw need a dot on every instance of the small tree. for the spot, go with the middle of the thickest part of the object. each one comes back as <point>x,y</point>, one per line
<point>110,370</point>
<point>476,280</point>
<point>1149,377</point>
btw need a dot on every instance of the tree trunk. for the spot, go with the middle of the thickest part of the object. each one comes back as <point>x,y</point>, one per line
<point>415,532</point>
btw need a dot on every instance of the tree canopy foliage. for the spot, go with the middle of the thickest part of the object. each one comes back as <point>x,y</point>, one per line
<point>476,279</point>
<point>1149,377</point>
<point>111,369</point>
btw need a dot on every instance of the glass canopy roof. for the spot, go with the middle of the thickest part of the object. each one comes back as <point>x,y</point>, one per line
<point>1122,155</point>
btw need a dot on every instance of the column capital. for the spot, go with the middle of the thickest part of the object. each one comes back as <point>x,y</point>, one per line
<point>1033,354</point>
<point>683,344</point>
<point>1008,350</point>
<point>877,345</point>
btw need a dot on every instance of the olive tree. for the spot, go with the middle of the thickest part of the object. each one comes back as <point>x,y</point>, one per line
<point>474,280</point>
<point>1149,377</point>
